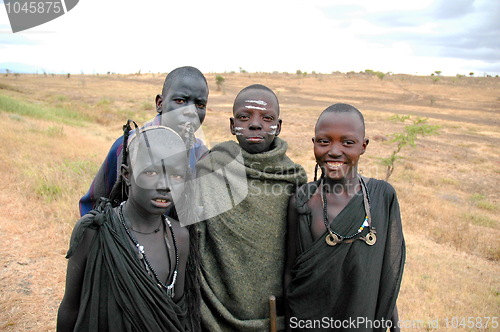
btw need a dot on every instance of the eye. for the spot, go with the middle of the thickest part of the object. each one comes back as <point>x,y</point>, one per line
<point>348,142</point>
<point>243,117</point>
<point>322,141</point>
<point>268,118</point>
<point>177,177</point>
<point>151,173</point>
<point>179,101</point>
<point>200,105</point>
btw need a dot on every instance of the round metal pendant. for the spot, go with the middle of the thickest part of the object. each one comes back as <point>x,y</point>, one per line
<point>331,238</point>
<point>370,239</point>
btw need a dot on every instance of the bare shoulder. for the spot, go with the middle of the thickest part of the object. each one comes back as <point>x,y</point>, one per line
<point>181,234</point>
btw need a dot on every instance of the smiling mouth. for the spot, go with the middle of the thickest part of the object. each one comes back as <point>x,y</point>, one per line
<point>334,164</point>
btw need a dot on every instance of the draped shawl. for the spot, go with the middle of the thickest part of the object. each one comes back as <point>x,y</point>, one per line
<point>349,281</point>
<point>117,293</point>
<point>242,243</point>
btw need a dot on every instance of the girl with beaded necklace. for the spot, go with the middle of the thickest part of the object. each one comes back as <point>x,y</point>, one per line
<point>345,248</point>
<point>131,267</point>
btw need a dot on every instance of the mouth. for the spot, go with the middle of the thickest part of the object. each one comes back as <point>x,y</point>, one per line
<point>186,126</point>
<point>255,139</point>
<point>161,202</point>
<point>334,164</point>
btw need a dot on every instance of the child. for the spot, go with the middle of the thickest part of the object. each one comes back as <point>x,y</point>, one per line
<point>127,265</point>
<point>181,106</point>
<point>245,187</point>
<point>345,246</point>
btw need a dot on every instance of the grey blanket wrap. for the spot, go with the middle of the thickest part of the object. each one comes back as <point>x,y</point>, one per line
<point>242,250</point>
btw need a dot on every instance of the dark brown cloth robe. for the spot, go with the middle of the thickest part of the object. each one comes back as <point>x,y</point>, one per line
<point>118,294</point>
<point>349,282</point>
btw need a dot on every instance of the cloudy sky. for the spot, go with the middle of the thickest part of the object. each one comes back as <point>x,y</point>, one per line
<point>399,36</point>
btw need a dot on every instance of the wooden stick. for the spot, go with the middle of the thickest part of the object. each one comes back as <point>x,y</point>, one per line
<point>272,314</point>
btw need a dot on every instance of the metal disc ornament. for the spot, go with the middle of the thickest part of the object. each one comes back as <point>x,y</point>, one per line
<point>331,239</point>
<point>370,238</point>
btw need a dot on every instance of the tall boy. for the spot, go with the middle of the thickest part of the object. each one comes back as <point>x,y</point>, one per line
<point>242,248</point>
<point>183,101</point>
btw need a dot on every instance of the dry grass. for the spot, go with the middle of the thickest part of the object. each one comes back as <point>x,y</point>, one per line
<point>447,185</point>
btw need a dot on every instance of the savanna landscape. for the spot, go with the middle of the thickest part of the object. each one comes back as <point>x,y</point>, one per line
<point>57,129</point>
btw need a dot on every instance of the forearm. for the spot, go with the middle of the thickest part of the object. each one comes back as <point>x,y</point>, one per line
<point>395,320</point>
<point>66,318</point>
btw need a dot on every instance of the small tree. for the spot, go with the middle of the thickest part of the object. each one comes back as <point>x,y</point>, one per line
<point>438,72</point>
<point>418,127</point>
<point>219,80</point>
<point>471,74</point>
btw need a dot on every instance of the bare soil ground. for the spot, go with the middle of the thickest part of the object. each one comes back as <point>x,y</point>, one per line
<point>447,185</point>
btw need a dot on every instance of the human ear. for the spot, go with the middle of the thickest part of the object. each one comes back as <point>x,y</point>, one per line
<point>278,128</point>
<point>365,144</point>
<point>125,174</point>
<point>158,102</point>
<point>231,125</point>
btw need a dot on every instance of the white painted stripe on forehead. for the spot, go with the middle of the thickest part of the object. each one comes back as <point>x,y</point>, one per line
<point>258,102</point>
<point>255,107</point>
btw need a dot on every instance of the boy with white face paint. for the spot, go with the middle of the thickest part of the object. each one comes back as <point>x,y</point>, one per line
<point>255,120</point>
<point>244,188</point>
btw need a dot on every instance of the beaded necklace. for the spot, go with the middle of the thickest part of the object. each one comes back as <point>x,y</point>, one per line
<point>333,237</point>
<point>142,255</point>
<point>156,230</point>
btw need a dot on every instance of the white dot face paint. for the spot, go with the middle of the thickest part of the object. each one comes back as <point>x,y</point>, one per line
<point>255,107</point>
<point>238,131</point>
<point>258,102</point>
<point>273,130</point>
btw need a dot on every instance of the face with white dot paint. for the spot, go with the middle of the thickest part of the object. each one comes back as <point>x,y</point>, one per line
<point>256,120</point>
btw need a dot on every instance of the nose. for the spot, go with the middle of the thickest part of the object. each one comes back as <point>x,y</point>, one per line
<point>190,111</point>
<point>335,150</point>
<point>163,183</point>
<point>255,123</point>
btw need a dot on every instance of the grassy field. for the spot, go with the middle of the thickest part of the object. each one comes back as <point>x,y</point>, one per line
<point>57,131</point>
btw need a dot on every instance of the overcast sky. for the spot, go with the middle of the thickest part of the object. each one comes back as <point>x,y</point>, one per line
<point>399,36</point>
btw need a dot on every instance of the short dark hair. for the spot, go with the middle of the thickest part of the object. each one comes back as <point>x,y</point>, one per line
<point>186,71</point>
<point>258,87</point>
<point>343,108</point>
